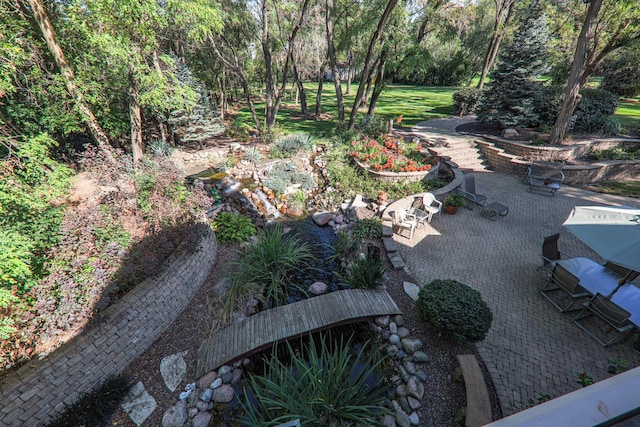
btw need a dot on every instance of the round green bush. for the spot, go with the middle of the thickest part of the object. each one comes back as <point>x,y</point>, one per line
<point>233,227</point>
<point>455,308</point>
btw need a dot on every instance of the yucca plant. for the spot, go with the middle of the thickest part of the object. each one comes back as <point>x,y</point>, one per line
<point>322,386</point>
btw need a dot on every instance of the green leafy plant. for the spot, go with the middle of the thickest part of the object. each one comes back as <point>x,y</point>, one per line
<point>368,228</point>
<point>455,308</point>
<point>232,227</point>
<point>616,365</point>
<point>322,386</point>
<point>466,100</point>
<point>364,273</point>
<point>253,155</point>
<point>267,267</point>
<point>160,148</point>
<point>455,200</point>
<point>584,379</point>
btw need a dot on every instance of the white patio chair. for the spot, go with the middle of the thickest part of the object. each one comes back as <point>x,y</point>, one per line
<point>404,220</point>
<point>430,205</point>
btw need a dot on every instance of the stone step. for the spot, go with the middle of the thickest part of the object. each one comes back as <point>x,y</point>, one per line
<point>387,229</point>
<point>397,261</point>
<point>390,245</point>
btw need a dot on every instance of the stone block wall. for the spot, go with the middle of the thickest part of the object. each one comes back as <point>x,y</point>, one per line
<point>41,390</point>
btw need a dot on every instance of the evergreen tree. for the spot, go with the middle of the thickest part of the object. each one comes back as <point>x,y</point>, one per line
<point>510,97</point>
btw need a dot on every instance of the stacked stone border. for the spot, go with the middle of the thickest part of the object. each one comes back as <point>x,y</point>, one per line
<point>515,157</point>
<point>41,390</point>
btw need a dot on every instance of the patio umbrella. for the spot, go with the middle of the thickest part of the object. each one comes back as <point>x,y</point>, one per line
<point>613,232</point>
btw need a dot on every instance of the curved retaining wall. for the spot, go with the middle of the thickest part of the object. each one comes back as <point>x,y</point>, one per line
<point>39,391</point>
<point>500,160</point>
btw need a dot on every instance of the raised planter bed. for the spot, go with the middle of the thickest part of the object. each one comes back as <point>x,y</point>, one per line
<point>402,176</point>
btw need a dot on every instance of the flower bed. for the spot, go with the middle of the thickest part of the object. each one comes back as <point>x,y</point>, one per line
<point>394,160</point>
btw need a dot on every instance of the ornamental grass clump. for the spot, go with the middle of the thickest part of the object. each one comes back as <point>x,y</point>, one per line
<point>390,155</point>
<point>455,308</point>
<point>325,385</point>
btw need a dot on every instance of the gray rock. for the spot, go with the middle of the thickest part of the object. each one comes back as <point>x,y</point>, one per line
<point>415,419</point>
<point>139,404</point>
<point>201,406</point>
<point>206,395</point>
<point>393,328</point>
<point>404,404</point>
<point>394,339</point>
<point>202,419</point>
<point>388,421</point>
<point>385,334</point>
<point>422,376</point>
<point>392,350</point>
<point>207,379</point>
<point>400,355</point>
<point>175,416</point>
<point>399,320</point>
<point>224,369</point>
<point>415,388</point>
<point>420,357</point>
<point>413,403</point>
<point>357,202</point>
<point>192,412</point>
<point>172,369</point>
<point>216,383</point>
<point>402,419</point>
<point>322,218</point>
<point>223,394</point>
<point>403,332</point>
<point>318,288</point>
<point>410,367</point>
<point>227,377</point>
<point>236,375</point>
<point>401,390</point>
<point>382,320</point>
<point>510,133</point>
<point>411,289</point>
<point>411,345</point>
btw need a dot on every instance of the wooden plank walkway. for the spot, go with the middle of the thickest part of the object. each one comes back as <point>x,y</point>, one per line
<point>261,330</point>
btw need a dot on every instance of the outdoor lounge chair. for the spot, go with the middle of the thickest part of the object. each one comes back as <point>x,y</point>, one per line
<point>546,177</point>
<point>550,251</point>
<point>562,280</point>
<point>616,318</point>
<point>624,273</point>
<point>478,197</point>
<point>404,220</point>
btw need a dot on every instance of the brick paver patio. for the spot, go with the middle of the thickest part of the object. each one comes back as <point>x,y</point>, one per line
<point>531,349</point>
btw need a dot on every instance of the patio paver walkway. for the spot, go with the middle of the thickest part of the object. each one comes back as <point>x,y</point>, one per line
<point>531,349</point>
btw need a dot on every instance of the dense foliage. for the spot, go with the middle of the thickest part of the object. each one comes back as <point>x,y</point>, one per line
<point>233,227</point>
<point>455,308</point>
<point>466,100</point>
<point>324,384</point>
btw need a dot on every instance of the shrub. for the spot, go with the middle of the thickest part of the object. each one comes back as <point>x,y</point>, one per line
<point>284,175</point>
<point>344,247</point>
<point>595,105</point>
<point>364,273</point>
<point>232,227</point>
<point>368,228</point>
<point>322,386</point>
<point>621,75</point>
<point>253,155</point>
<point>160,148</point>
<point>466,100</point>
<point>455,308</point>
<point>288,145</point>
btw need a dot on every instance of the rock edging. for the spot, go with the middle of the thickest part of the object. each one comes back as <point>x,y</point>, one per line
<point>42,389</point>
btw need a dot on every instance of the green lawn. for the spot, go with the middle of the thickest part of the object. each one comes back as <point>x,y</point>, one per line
<point>414,103</point>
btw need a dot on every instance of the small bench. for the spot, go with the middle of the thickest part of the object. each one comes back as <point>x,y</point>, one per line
<point>478,402</point>
<point>545,177</point>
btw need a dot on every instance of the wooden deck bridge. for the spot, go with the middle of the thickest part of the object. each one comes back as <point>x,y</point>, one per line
<point>261,330</point>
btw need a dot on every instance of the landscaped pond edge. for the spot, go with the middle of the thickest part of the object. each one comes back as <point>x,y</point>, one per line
<point>42,389</point>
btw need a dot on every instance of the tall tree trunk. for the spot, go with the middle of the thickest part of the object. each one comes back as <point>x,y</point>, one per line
<point>42,19</point>
<point>319,92</point>
<point>268,65</point>
<point>301,91</point>
<point>349,71</point>
<point>366,70</point>
<point>135,117</point>
<point>291,42</point>
<point>504,11</point>
<point>370,81</point>
<point>377,90</point>
<point>235,68</point>
<point>331,53</point>
<point>572,92</point>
